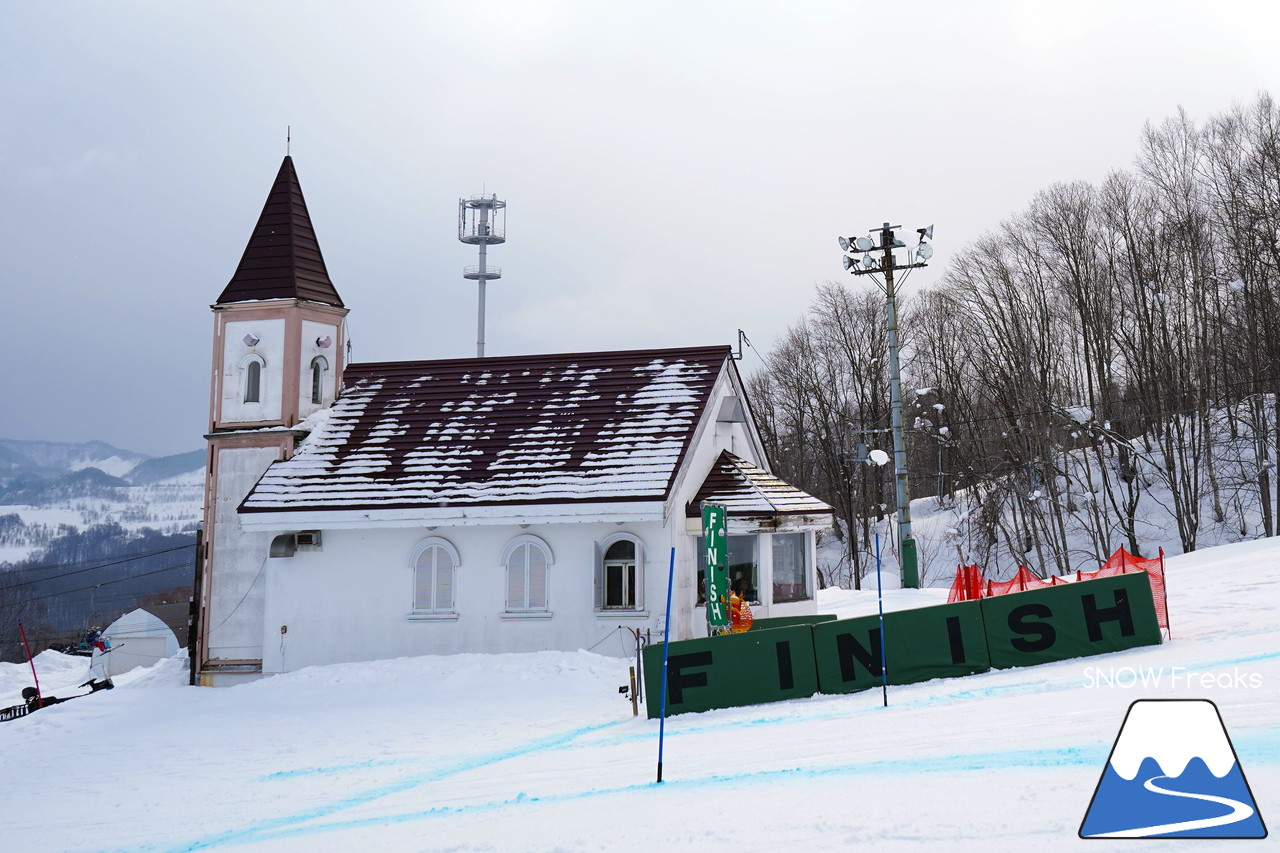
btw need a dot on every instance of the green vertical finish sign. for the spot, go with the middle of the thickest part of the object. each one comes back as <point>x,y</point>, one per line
<point>713,534</point>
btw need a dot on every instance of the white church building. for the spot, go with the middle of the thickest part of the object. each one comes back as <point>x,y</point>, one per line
<point>517,503</point>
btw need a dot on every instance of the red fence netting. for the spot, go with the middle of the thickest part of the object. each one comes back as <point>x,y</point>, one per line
<point>969,584</point>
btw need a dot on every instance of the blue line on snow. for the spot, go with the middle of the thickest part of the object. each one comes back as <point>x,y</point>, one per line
<point>250,833</point>
<point>1091,755</point>
<point>334,768</point>
<point>1263,747</point>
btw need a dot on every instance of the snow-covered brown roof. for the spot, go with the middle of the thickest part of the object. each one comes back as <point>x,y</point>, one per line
<point>605,426</point>
<point>747,490</point>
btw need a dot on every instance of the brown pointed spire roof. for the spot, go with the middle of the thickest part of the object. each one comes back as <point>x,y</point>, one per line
<point>282,260</point>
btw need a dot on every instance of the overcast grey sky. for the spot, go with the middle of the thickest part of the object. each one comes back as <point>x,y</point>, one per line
<point>675,171</point>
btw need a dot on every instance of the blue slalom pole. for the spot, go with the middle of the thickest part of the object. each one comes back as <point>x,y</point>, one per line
<point>666,650</point>
<point>884,669</point>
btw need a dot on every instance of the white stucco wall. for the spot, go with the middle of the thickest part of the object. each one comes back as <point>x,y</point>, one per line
<point>270,348</point>
<point>352,600</point>
<point>311,332</point>
<point>235,610</point>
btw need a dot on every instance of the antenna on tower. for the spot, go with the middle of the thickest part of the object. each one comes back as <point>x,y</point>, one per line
<point>482,221</point>
<point>288,138</point>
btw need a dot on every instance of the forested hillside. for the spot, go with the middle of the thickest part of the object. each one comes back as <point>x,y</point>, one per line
<point>1098,368</point>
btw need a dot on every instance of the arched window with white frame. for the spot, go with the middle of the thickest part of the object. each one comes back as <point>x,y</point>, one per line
<point>319,365</point>
<point>619,574</point>
<point>251,371</point>
<point>435,567</point>
<point>527,561</point>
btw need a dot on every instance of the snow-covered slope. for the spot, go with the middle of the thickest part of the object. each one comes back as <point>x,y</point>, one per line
<point>538,752</point>
<point>48,487</point>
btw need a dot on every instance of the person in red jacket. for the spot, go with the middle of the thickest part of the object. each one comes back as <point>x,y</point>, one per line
<point>740,617</point>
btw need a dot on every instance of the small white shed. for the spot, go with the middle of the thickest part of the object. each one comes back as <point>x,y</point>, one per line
<point>137,638</point>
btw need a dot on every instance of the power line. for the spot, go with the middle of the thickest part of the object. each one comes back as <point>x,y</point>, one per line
<point>117,580</point>
<point>19,567</point>
<point>87,569</point>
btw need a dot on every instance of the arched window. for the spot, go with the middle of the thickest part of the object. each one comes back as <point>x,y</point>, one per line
<point>253,380</point>
<point>528,564</point>
<point>435,566</point>
<point>318,366</point>
<point>619,574</point>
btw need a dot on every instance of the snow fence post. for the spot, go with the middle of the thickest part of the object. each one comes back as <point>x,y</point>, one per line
<point>1164,584</point>
<point>31,660</point>
<point>666,652</point>
<point>884,670</point>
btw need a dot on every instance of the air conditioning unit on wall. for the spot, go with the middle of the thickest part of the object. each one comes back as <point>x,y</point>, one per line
<point>308,540</point>
<point>286,544</point>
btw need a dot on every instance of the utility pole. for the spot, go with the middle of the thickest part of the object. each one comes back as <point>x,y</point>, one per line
<point>887,264</point>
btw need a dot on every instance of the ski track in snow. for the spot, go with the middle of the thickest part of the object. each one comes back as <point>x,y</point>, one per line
<point>278,827</point>
<point>290,826</point>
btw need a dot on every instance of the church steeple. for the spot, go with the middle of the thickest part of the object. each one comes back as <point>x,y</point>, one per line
<point>282,260</point>
<point>279,335</point>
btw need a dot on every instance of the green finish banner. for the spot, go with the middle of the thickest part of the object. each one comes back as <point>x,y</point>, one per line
<point>791,621</point>
<point>717,558</point>
<point>793,661</point>
<point>732,669</point>
<point>1070,621</point>
<point>929,642</point>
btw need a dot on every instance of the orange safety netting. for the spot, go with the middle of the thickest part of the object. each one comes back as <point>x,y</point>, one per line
<point>970,585</point>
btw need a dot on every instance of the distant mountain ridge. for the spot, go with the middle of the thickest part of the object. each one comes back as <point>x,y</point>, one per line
<point>50,489</point>
<point>55,459</point>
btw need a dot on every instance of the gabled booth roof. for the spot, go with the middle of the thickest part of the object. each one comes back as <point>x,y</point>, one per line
<point>606,426</point>
<point>747,491</point>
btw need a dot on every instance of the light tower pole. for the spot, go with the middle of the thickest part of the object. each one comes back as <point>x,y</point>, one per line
<point>886,264</point>
<point>482,222</point>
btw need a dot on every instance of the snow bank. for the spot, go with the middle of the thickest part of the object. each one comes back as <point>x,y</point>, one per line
<point>538,752</point>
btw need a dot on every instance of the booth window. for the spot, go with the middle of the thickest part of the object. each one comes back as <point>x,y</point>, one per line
<point>741,561</point>
<point>790,572</point>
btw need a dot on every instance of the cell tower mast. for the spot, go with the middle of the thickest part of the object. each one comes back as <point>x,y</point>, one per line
<point>482,221</point>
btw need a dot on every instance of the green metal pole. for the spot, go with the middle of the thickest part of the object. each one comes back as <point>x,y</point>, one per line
<point>906,543</point>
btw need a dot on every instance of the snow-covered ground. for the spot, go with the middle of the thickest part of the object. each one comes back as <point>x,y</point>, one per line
<point>168,506</point>
<point>538,752</point>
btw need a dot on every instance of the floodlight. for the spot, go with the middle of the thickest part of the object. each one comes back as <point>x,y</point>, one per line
<point>844,244</point>
<point>924,251</point>
<point>868,261</point>
<point>848,261</point>
<point>925,233</point>
<point>864,244</point>
<point>898,244</point>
